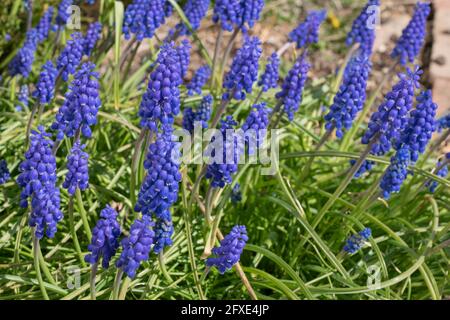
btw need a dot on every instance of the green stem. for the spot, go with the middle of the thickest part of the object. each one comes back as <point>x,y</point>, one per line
<point>83,214</point>
<point>214,62</point>
<point>30,124</point>
<point>228,49</point>
<point>162,265</point>
<point>36,251</point>
<point>124,290</point>
<point>116,287</point>
<point>187,218</point>
<point>74,233</point>
<point>135,163</point>
<point>94,269</point>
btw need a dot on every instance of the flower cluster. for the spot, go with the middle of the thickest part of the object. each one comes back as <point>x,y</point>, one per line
<point>38,181</point>
<point>23,60</point>
<point>250,11</point>
<point>82,101</point>
<point>396,172</point>
<point>387,124</point>
<point>93,33</point>
<point>136,247</point>
<point>199,79</point>
<point>244,70</point>
<point>350,99</point>
<point>413,36</point>
<point>392,115</point>
<point>4,172</point>
<point>255,126</point>
<point>230,250</point>
<point>44,25</point>
<point>77,166</point>
<point>45,87</point>
<point>163,234</point>
<point>23,97</point>
<point>221,168</point>
<point>442,171</point>
<point>195,11</point>
<point>363,28</point>
<point>228,13</point>
<point>69,59</point>
<point>292,89</point>
<point>143,17</point>
<point>63,12</point>
<point>105,238</point>
<point>184,56</point>
<point>269,79</point>
<point>356,241</point>
<point>202,115</point>
<point>161,101</point>
<point>160,187</point>
<point>421,125</point>
<point>308,31</point>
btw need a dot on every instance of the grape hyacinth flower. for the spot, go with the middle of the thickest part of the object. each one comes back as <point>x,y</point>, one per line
<point>413,36</point>
<point>23,98</point>
<point>396,173</point>
<point>105,238</point>
<point>137,246</point>
<point>269,79</point>
<point>4,172</point>
<point>93,34</point>
<point>227,13</point>
<point>443,123</point>
<point>195,11</point>
<point>160,187</point>
<point>63,12</point>
<point>244,70</point>
<point>236,195</point>
<point>45,87</point>
<point>291,92</point>
<point>230,250</point>
<point>387,124</point>
<point>163,234</point>
<point>308,31</point>
<point>44,25</point>
<point>202,115</point>
<point>255,126</point>
<point>356,241</point>
<point>143,17</point>
<point>184,56</point>
<point>220,171</point>
<point>199,79</point>
<point>77,165</point>
<point>250,11</point>
<point>351,97</point>
<point>80,108</point>
<point>363,32</point>
<point>421,125</point>
<point>442,171</point>
<point>23,60</point>
<point>38,182</point>
<point>161,101</point>
<point>70,58</point>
